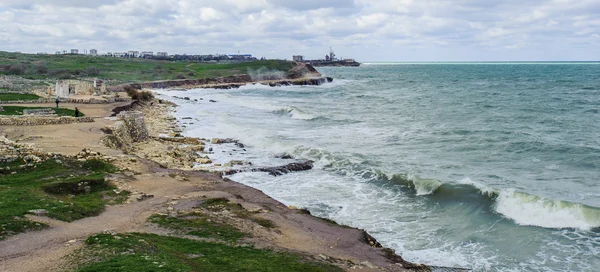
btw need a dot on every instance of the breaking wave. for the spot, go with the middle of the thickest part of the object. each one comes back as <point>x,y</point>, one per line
<point>294,113</point>
<point>522,208</point>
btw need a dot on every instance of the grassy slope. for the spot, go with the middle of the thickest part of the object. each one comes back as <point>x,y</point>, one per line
<point>18,110</point>
<point>129,70</point>
<point>150,252</point>
<point>52,186</point>
<point>217,250</point>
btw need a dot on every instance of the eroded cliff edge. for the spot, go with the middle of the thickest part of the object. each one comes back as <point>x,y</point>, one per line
<point>299,74</point>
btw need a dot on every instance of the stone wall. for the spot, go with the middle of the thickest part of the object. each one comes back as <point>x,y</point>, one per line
<point>70,100</point>
<point>35,120</point>
<point>135,124</point>
<point>131,129</point>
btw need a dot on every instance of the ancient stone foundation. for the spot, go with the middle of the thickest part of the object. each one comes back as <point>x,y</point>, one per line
<point>135,124</point>
<point>131,129</point>
<point>69,100</point>
<point>33,120</point>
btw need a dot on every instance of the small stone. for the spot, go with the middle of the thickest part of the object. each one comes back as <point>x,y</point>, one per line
<point>38,212</point>
<point>109,231</point>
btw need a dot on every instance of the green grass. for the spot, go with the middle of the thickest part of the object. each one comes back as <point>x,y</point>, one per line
<point>18,110</point>
<point>150,252</point>
<point>121,70</point>
<point>198,225</point>
<point>16,97</point>
<point>68,190</point>
<point>220,204</point>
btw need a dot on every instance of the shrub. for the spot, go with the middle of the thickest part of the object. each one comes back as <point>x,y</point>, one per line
<point>179,76</point>
<point>136,94</point>
<point>190,73</point>
<point>16,69</point>
<point>92,71</point>
<point>40,67</point>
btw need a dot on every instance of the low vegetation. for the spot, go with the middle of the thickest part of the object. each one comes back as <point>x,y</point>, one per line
<point>17,97</point>
<point>136,94</point>
<point>18,110</point>
<point>61,188</point>
<point>220,204</point>
<point>198,225</point>
<point>123,70</point>
<point>151,252</point>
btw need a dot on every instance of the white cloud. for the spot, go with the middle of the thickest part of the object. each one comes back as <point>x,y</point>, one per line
<point>364,29</point>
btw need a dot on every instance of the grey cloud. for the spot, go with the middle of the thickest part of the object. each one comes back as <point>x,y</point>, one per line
<point>29,4</point>
<point>312,4</point>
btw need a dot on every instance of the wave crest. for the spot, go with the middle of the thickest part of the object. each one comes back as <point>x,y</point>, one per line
<point>294,113</point>
<point>522,208</point>
<point>530,210</point>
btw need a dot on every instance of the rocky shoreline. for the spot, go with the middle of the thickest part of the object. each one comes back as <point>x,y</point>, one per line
<point>185,153</point>
<point>169,176</point>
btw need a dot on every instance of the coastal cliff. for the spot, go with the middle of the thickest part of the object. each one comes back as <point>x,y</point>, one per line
<point>299,74</point>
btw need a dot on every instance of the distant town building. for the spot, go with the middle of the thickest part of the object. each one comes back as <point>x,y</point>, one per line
<point>133,54</point>
<point>162,54</point>
<point>240,57</point>
<point>42,53</point>
<point>58,53</point>
<point>93,52</point>
<point>298,58</point>
<point>116,54</point>
<point>74,51</point>
<point>147,54</point>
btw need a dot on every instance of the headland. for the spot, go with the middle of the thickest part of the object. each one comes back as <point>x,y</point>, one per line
<point>124,188</point>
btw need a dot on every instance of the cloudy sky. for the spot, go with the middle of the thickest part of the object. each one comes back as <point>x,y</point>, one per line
<point>367,30</point>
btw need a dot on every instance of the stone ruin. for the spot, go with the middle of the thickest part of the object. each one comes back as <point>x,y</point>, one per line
<point>46,111</point>
<point>129,130</point>
<point>135,124</point>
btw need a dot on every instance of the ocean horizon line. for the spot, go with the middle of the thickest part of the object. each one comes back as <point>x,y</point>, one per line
<point>477,62</point>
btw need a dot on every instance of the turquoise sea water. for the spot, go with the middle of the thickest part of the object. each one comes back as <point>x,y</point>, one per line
<point>490,166</point>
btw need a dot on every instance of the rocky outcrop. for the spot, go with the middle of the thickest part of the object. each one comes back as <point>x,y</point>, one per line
<point>301,82</point>
<point>300,74</point>
<point>131,129</point>
<point>128,107</point>
<point>276,170</point>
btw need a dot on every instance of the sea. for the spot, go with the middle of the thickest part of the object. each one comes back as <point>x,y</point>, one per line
<point>485,166</point>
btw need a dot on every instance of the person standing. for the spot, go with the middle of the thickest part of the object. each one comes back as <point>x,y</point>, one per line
<point>76,112</point>
<point>56,102</point>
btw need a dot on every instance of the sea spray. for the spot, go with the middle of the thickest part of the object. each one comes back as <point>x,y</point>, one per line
<point>530,210</point>
<point>264,73</point>
<point>499,125</point>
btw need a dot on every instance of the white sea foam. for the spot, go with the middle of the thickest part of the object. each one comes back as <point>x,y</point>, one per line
<point>424,186</point>
<point>486,190</point>
<point>529,210</point>
<point>295,113</point>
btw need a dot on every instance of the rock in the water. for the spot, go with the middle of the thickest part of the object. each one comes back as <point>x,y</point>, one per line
<point>277,170</point>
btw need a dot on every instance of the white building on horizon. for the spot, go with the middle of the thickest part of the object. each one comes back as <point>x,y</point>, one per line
<point>93,52</point>
<point>133,54</point>
<point>74,51</point>
<point>146,54</point>
<point>162,54</point>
